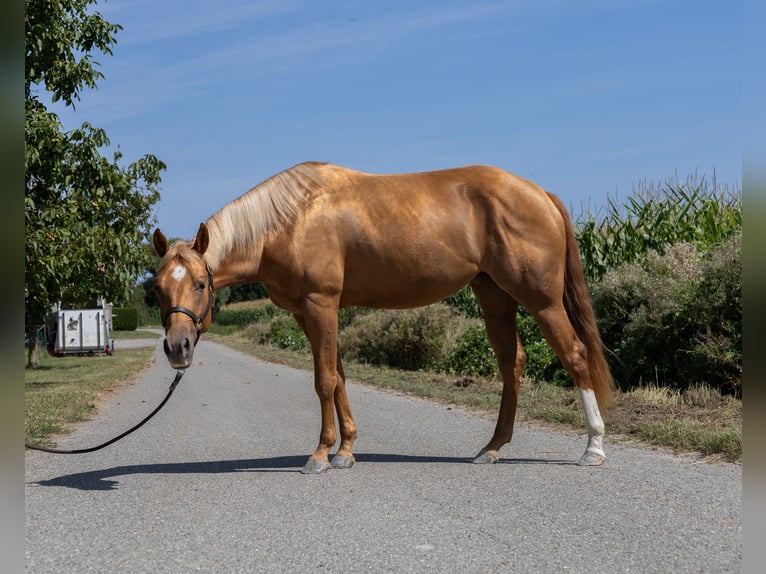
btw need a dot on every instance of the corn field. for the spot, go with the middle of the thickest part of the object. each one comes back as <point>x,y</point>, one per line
<point>697,211</point>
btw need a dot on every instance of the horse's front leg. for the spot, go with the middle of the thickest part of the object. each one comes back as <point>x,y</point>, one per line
<point>320,322</point>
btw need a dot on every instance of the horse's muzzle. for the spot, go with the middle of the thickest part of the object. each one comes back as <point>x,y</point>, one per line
<point>179,351</point>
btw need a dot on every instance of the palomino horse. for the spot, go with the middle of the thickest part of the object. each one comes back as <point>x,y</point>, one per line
<point>321,237</point>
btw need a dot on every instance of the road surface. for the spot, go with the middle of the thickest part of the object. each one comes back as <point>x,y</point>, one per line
<point>212,484</point>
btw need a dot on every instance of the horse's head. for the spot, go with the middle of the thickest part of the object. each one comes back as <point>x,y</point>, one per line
<point>185,288</point>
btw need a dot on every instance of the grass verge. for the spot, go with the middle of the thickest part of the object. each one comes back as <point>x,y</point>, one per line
<point>699,420</point>
<point>137,334</point>
<point>66,390</point>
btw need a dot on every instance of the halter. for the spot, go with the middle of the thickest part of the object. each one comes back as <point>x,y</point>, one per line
<point>198,319</point>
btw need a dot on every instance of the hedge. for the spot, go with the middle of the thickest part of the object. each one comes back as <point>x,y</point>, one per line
<point>124,318</point>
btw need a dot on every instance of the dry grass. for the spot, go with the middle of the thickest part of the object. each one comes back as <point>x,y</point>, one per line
<point>246,304</point>
<point>696,420</point>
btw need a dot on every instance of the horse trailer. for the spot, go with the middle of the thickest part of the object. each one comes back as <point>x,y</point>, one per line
<point>79,331</point>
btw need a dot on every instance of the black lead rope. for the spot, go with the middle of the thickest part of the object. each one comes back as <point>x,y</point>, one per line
<point>175,382</point>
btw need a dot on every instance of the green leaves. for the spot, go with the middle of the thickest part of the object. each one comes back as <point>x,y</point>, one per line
<point>675,319</point>
<point>59,38</point>
<point>87,217</point>
<point>653,219</point>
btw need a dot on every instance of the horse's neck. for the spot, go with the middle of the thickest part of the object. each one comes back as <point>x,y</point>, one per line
<point>234,265</point>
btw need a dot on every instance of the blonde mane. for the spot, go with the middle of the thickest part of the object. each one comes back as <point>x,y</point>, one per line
<point>265,208</point>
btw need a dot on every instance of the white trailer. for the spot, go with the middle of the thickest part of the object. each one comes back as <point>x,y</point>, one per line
<point>79,331</point>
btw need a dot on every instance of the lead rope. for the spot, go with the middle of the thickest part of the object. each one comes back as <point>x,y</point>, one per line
<point>173,385</point>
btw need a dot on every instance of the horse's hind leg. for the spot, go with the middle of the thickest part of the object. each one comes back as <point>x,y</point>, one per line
<point>499,310</point>
<point>558,331</point>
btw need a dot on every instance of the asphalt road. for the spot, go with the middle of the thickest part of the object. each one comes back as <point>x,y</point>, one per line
<point>212,484</point>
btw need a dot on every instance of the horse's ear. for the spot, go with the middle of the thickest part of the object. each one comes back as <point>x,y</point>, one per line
<point>202,239</point>
<point>160,243</point>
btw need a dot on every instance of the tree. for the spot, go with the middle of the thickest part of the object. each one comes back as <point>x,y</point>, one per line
<point>87,218</point>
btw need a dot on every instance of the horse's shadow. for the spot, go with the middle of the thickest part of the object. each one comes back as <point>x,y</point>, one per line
<point>103,479</point>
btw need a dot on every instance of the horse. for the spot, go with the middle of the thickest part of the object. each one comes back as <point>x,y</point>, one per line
<point>320,237</point>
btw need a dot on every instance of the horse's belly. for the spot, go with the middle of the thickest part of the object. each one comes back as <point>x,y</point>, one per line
<point>405,278</point>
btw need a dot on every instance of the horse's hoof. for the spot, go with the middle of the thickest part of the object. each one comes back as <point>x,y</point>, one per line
<point>342,461</point>
<point>485,457</point>
<point>591,458</point>
<point>315,467</point>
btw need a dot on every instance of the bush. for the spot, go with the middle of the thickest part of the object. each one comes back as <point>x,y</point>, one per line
<point>346,315</point>
<point>408,339</point>
<point>246,292</point>
<point>285,333</point>
<point>716,351</point>
<point>637,306</point>
<point>472,355</point>
<point>149,316</point>
<point>124,318</point>
<point>542,363</point>
<point>465,302</point>
<point>675,319</point>
<point>243,317</point>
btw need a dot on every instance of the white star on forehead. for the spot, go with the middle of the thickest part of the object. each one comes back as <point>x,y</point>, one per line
<point>179,272</point>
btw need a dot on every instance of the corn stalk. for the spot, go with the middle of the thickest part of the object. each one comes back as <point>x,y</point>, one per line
<point>653,219</point>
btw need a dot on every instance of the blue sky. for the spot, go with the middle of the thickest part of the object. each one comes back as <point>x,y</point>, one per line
<point>585,98</point>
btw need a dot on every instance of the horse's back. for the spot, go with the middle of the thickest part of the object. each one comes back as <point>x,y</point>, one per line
<point>440,192</point>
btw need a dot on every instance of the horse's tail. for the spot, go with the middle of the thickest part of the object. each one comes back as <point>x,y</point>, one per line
<point>580,311</point>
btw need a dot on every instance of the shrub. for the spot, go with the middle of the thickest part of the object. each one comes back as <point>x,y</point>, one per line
<point>283,332</point>
<point>346,315</point>
<point>465,302</point>
<point>472,355</point>
<point>124,318</point>
<point>246,292</point>
<point>675,319</point>
<point>716,351</point>
<point>148,316</point>
<point>408,339</point>
<point>243,317</point>
<point>542,362</point>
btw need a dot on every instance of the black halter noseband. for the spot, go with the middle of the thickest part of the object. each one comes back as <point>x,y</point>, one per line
<point>198,319</point>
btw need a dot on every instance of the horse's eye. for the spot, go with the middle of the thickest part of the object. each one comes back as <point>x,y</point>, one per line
<point>201,286</point>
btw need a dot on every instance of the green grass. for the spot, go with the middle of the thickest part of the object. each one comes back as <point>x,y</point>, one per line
<point>66,390</point>
<point>689,435</point>
<point>137,334</point>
